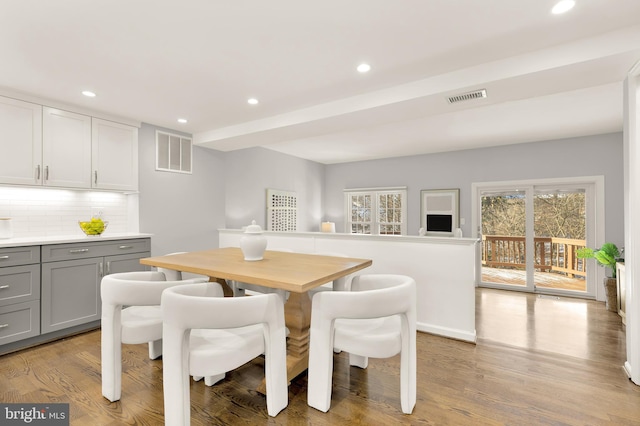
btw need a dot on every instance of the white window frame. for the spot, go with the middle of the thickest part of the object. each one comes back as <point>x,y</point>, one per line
<point>374,222</point>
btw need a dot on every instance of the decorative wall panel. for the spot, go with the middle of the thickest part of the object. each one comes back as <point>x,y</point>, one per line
<point>282,210</point>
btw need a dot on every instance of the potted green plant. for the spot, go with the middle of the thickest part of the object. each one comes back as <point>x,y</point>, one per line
<point>606,256</point>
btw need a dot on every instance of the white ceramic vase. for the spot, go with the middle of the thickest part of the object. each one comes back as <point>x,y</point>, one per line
<point>253,243</point>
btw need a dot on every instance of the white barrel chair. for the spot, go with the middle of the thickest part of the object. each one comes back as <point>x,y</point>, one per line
<point>130,314</point>
<point>205,334</point>
<point>173,275</point>
<point>375,318</point>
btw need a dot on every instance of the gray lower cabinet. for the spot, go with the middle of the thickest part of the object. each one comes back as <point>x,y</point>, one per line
<point>19,293</point>
<point>71,275</point>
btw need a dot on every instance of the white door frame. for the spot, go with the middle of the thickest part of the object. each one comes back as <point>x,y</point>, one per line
<point>595,236</point>
<point>631,213</point>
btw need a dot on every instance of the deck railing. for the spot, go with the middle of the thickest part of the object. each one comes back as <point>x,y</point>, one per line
<point>551,254</point>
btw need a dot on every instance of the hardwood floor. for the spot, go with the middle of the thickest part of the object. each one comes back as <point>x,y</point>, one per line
<point>538,360</point>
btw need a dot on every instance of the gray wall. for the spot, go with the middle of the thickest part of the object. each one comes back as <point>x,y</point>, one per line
<point>182,211</point>
<point>228,190</point>
<point>250,172</point>
<point>584,156</point>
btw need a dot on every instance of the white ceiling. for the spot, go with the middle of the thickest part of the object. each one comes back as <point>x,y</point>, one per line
<point>546,76</point>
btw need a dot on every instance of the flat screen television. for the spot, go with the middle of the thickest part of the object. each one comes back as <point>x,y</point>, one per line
<point>439,223</point>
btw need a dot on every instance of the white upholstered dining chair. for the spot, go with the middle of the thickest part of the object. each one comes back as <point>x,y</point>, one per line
<point>375,317</point>
<point>205,334</point>
<point>173,275</point>
<point>130,314</point>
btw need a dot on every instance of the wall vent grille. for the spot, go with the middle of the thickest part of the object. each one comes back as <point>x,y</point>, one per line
<point>468,96</point>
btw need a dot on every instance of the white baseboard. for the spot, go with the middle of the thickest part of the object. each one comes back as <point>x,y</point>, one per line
<point>467,336</point>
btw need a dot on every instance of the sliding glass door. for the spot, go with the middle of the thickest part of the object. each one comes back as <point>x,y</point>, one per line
<point>530,234</point>
<point>559,231</point>
<point>504,237</point>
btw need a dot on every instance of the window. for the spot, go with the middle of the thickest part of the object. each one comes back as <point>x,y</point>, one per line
<point>173,152</point>
<point>377,211</point>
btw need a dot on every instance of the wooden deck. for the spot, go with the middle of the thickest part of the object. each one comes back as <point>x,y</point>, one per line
<point>550,280</point>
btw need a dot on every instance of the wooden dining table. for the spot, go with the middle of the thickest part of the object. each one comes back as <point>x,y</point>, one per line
<point>296,273</point>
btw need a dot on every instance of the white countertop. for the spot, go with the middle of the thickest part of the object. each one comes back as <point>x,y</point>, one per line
<point>61,239</point>
<point>366,237</point>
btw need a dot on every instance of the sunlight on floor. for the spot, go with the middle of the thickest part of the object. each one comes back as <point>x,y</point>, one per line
<point>545,323</point>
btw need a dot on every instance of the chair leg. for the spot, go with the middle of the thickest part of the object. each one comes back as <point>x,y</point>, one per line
<point>275,370</point>
<point>408,372</point>
<point>358,361</point>
<point>319,377</point>
<point>212,380</point>
<point>340,284</point>
<point>111,353</point>
<point>237,292</point>
<point>175,376</point>
<point>155,349</point>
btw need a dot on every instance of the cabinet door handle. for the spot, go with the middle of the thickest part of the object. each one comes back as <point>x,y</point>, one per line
<point>108,268</point>
<point>38,172</point>
<point>125,247</point>
<point>95,177</point>
<point>4,325</point>
<point>4,257</point>
<point>2,287</point>
<point>78,250</point>
<point>100,269</point>
<point>46,172</point>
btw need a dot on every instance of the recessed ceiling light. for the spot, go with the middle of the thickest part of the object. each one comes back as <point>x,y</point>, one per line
<point>252,101</point>
<point>182,120</point>
<point>563,6</point>
<point>364,68</point>
<point>89,94</point>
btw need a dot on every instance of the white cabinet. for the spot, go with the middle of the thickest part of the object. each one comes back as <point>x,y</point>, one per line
<point>20,142</point>
<point>114,156</point>
<point>50,147</point>
<point>66,149</point>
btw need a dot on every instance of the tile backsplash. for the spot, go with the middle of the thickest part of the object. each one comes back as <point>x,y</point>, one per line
<point>48,212</point>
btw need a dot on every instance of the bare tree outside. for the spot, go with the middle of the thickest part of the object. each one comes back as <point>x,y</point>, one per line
<point>555,215</point>
<point>559,231</point>
<point>503,214</point>
<point>560,215</point>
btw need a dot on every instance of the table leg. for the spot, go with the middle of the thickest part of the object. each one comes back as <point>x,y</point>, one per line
<point>297,317</point>
<point>225,287</point>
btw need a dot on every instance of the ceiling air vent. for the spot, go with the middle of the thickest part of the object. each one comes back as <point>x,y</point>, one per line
<point>468,96</point>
